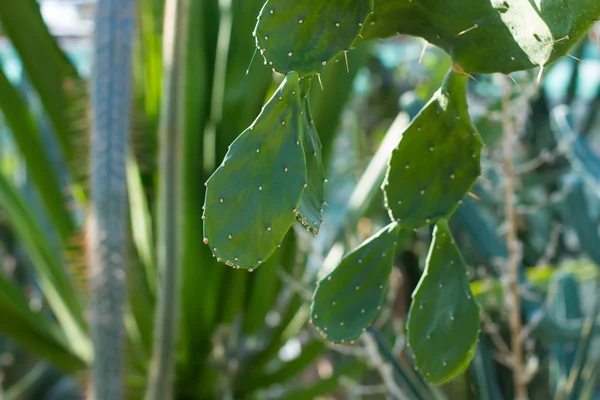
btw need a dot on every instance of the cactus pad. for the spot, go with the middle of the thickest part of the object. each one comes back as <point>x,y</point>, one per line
<point>484,36</point>
<point>310,212</point>
<point>253,197</point>
<point>348,299</point>
<point>305,35</point>
<point>437,160</point>
<point>443,321</point>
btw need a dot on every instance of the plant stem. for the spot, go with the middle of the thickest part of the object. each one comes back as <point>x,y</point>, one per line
<point>160,380</point>
<point>111,100</point>
<point>513,245</point>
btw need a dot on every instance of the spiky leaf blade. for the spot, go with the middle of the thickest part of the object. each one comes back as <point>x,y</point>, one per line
<point>253,197</point>
<point>304,35</point>
<point>443,320</point>
<point>348,299</point>
<point>437,160</point>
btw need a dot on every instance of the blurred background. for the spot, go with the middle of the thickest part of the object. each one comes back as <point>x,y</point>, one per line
<point>247,336</point>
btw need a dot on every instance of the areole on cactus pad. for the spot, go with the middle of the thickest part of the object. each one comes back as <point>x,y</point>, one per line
<point>273,174</point>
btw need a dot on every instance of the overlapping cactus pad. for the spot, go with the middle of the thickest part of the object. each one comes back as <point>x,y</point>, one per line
<point>305,35</point>
<point>348,299</point>
<point>253,197</point>
<point>273,172</point>
<point>437,160</point>
<point>313,198</point>
<point>443,322</point>
<point>484,36</point>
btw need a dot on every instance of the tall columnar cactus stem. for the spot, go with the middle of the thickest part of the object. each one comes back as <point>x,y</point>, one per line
<point>252,199</point>
<point>443,321</point>
<point>437,160</point>
<point>313,198</point>
<point>485,36</point>
<point>111,98</point>
<point>304,35</point>
<point>348,299</point>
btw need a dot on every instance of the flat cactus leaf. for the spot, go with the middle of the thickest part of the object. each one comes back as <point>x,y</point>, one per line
<point>443,321</point>
<point>484,36</point>
<point>437,160</point>
<point>305,35</point>
<point>252,198</point>
<point>310,212</point>
<point>348,299</point>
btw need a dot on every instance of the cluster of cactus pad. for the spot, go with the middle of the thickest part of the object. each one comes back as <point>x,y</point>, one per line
<point>272,175</point>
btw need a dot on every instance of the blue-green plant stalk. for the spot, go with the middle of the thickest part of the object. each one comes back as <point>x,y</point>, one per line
<point>170,131</point>
<point>111,98</point>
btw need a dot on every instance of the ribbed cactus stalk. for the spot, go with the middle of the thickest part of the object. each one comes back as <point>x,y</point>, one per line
<point>111,97</point>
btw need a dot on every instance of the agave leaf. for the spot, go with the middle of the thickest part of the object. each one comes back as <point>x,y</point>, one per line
<point>34,331</point>
<point>26,136</point>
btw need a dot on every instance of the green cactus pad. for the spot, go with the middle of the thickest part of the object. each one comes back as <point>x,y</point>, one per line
<point>252,198</point>
<point>348,299</point>
<point>310,212</point>
<point>437,160</point>
<point>443,320</point>
<point>305,35</point>
<point>484,36</point>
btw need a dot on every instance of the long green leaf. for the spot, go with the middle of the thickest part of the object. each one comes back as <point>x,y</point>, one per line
<point>141,222</point>
<point>52,278</point>
<point>53,76</point>
<point>172,124</point>
<point>34,331</point>
<point>24,132</point>
<point>199,270</point>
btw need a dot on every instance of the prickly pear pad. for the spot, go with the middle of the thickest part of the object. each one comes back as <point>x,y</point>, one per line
<point>252,198</point>
<point>484,36</point>
<point>437,160</point>
<point>313,199</point>
<point>443,320</point>
<point>304,35</point>
<point>348,299</point>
